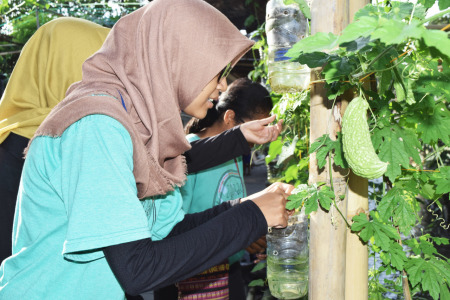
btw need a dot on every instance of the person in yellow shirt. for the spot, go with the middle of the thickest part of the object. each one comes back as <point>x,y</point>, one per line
<point>49,63</point>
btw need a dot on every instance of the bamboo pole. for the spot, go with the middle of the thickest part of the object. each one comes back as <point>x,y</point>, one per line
<point>332,275</point>
<point>357,256</point>
<point>327,229</point>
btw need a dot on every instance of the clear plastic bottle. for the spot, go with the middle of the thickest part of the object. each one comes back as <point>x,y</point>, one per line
<point>288,258</point>
<point>285,26</point>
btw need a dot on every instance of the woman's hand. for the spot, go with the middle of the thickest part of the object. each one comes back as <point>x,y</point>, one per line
<point>257,247</point>
<point>287,188</point>
<point>272,202</point>
<point>260,132</point>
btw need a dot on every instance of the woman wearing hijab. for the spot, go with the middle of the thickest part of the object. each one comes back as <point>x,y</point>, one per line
<point>97,165</point>
<point>49,63</point>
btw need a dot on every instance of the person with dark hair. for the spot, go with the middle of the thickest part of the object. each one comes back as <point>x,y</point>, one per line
<point>91,221</point>
<point>243,101</point>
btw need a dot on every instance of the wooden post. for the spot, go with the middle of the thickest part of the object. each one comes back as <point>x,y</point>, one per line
<point>357,256</point>
<point>357,262</point>
<point>338,260</point>
<point>327,229</point>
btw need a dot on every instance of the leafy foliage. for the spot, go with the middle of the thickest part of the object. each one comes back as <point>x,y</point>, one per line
<point>388,56</point>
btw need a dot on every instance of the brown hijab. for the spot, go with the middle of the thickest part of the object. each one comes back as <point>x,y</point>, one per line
<point>155,61</point>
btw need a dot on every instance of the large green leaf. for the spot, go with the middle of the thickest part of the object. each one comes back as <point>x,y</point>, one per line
<point>433,121</point>
<point>367,11</point>
<point>337,68</point>
<point>397,203</point>
<point>390,143</point>
<point>326,197</point>
<point>274,149</point>
<point>444,4</point>
<point>311,204</point>
<point>442,180</point>
<point>396,32</point>
<point>434,79</point>
<point>429,274</point>
<point>401,10</point>
<point>317,42</point>
<point>384,235</point>
<point>362,27</point>
<point>427,3</point>
<point>324,146</point>
<point>438,39</point>
<point>314,59</point>
<point>357,44</point>
<point>395,257</point>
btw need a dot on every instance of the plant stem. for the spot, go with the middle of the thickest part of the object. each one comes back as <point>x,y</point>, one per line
<point>436,16</point>
<point>405,284</point>
<point>332,188</point>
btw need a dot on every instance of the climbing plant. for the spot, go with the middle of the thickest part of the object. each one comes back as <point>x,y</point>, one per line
<point>400,71</point>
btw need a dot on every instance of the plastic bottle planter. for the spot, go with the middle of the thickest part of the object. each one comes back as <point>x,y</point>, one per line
<point>288,259</point>
<point>285,25</point>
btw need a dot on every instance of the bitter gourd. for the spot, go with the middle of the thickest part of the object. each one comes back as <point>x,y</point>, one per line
<point>357,145</point>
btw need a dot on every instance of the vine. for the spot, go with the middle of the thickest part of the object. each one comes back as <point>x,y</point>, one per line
<point>388,44</point>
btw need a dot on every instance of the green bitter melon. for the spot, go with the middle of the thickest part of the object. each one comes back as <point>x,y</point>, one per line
<point>357,145</point>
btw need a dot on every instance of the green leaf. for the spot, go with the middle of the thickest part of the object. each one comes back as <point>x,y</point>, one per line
<point>339,158</point>
<point>384,235</point>
<point>311,204</point>
<point>259,266</point>
<point>384,82</point>
<point>434,81</point>
<point>438,39</point>
<point>444,4</point>
<point>326,197</point>
<point>356,45</point>
<point>440,241</point>
<point>442,180</point>
<point>433,121</point>
<point>397,203</point>
<point>362,27</point>
<point>257,282</point>
<point>303,5</point>
<point>401,10</point>
<point>397,256</point>
<point>367,11</point>
<point>296,200</point>
<point>444,292</point>
<point>412,144</point>
<point>427,3</point>
<point>426,246</point>
<point>324,146</point>
<point>291,173</point>
<point>396,32</point>
<point>392,150</point>
<point>314,59</point>
<point>274,149</point>
<point>430,274</point>
<point>249,20</point>
<point>314,43</point>
<point>336,68</point>
<point>403,88</point>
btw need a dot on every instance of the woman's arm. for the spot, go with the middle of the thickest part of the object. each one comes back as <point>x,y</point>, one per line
<point>145,265</point>
<point>196,219</point>
<point>210,152</point>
